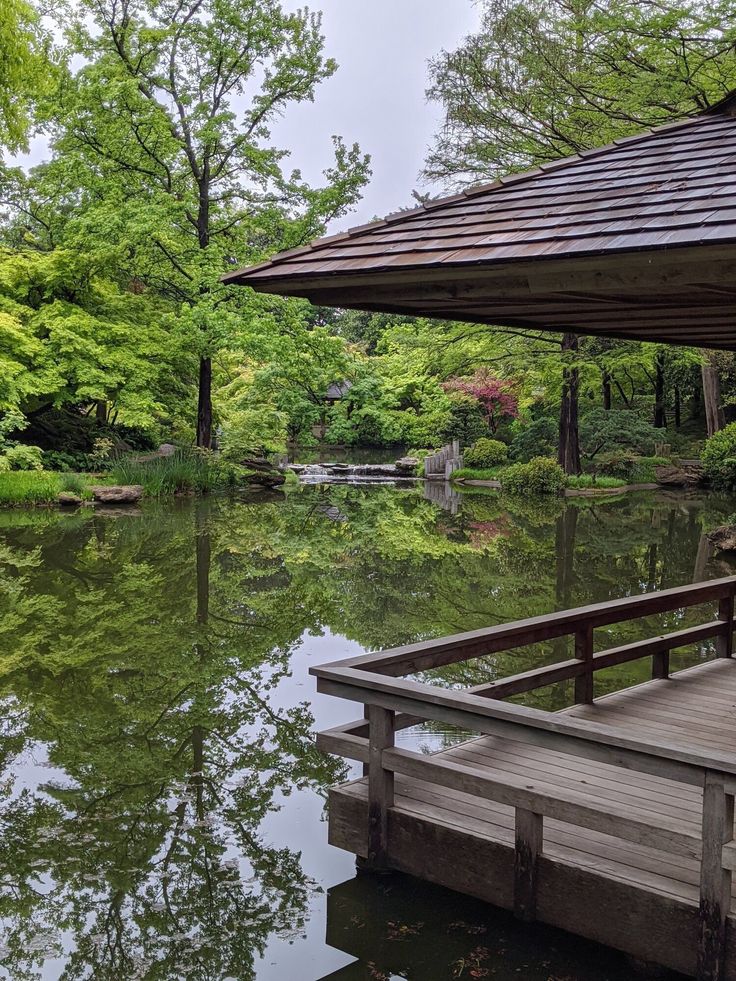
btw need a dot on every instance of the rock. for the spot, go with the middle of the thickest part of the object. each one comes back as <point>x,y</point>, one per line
<point>272,479</point>
<point>124,494</point>
<point>407,466</point>
<point>68,500</point>
<point>164,450</point>
<point>256,463</point>
<point>683,476</point>
<point>723,538</point>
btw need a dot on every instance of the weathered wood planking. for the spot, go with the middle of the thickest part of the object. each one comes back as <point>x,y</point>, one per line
<point>636,789</point>
<point>588,880</point>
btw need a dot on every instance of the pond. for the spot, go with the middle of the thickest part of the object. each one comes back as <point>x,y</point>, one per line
<point>162,805</point>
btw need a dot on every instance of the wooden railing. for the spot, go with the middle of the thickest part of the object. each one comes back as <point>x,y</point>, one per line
<point>394,702</point>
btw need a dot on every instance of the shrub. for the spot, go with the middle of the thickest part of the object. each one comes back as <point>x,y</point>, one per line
<point>541,475</point>
<point>22,457</point>
<point>486,453</point>
<point>540,437</point>
<point>719,457</point>
<point>616,430</point>
<point>620,465</point>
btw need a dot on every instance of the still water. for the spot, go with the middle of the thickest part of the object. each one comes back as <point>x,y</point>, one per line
<point>162,806</point>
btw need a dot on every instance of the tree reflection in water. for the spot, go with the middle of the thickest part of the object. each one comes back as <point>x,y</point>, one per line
<point>151,720</point>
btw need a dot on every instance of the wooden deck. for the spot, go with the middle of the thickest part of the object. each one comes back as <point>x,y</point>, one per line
<point>594,819</point>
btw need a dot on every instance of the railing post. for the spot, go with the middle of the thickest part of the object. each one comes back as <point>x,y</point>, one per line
<point>660,665</point>
<point>527,849</point>
<point>584,652</point>
<point>715,881</point>
<point>724,645</point>
<point>380,786</point>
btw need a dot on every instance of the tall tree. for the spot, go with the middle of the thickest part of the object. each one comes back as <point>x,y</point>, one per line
<point>169,121</point>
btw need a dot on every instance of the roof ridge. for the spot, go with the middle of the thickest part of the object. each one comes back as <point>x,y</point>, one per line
<point>478,190</point>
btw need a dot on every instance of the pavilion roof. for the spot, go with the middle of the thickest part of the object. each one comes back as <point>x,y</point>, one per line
<point>634,239</point>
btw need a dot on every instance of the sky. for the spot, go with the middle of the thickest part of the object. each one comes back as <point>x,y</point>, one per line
<point>377,97</point>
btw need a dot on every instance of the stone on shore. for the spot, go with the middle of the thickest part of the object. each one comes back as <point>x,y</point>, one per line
<point>121,494</point>
<point>407,466</point>
<point>68,500</point>
<point>271,479</point>
<point>723,538</point>
<point>686,475</point>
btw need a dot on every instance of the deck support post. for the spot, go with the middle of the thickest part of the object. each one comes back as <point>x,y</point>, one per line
<point>380,786</point>
<point>724,645</point>
<point>527,849</point>
<point>715,881</point>
<point>584,652</point>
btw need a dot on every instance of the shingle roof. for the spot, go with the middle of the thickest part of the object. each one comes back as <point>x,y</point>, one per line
<point>666,189</point>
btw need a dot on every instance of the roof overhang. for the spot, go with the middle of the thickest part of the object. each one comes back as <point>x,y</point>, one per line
<point>635,241</point>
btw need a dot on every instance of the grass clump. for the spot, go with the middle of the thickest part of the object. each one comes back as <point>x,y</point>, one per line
<point>588,480</point>
<point>28,487</point>
<point>471,473</point>
<point>186,471</point>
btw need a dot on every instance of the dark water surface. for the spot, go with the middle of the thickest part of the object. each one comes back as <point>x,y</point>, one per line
<point>161,800</point>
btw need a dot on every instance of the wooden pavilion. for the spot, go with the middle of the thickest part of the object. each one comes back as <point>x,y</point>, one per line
<point>615,818</point>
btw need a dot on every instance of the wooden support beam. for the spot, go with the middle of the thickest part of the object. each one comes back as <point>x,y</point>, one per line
<point>715,880</point>
<point>527,849</point>
<point>380,786</point>
<point>584,653</point>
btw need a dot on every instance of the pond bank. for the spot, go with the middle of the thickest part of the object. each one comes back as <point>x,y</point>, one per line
<point>571,491</point>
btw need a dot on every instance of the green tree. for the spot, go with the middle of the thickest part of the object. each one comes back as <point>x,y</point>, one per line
<point>166,128</point>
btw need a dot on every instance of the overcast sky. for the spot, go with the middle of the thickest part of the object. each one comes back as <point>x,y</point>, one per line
<point>376,98</point>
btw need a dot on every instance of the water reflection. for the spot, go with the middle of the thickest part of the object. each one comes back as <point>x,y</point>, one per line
<point>161,801</point>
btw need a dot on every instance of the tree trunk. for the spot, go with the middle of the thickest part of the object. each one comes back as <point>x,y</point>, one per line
<point>204,406</point>
<point>678,408</point>
<point>712,394</point>
<point>660,416</point>
<point>101,412</point>
<point>568,455</point>
<point>606,385</point>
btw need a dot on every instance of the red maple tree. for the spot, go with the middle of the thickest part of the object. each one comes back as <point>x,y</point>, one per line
<point>494,395</point>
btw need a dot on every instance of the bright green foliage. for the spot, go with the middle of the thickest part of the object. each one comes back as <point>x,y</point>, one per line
<point>540,476</point>
<point>70,336</point>
<point>486,453</point>
<point>22,457</point>
<point>24,70</point>
<point>719,457</point>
